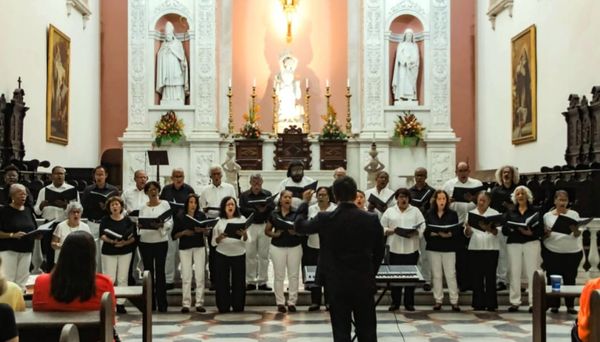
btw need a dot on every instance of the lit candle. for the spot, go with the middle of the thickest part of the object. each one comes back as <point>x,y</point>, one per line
<point>230,83</point>
<point>307,83</point>
<point>327,83</point>
<point>348,82</point>
<point>254,82</point>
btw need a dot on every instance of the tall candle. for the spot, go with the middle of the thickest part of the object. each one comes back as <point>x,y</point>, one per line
<point>230,83</point>
<point>348,82</point>
<point>327,83</point>
<point>307,83</point>
<point>254,82</point>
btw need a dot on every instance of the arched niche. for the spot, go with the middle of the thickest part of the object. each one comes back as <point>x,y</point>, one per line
<point>396,29</point>
<point>182,32</point>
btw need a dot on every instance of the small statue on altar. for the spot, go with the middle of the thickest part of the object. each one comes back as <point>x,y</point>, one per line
<point>373,167</point>
<point>406,69</point>
<point>231,167</point>
<point>287,89</point>
<point>172,81</point>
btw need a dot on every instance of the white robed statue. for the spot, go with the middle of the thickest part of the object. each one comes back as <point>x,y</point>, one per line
<point>288,92</point>
<point>172,80</point>
<point>406,69</point>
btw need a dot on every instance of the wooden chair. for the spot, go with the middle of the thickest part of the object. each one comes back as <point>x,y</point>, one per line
<point>46,325</point>
<point>69,333</point>
<point>291,145</point>
<point>142,300</point>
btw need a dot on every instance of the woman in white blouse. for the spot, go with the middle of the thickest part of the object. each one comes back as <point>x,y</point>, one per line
<point>404,247</point>
<point>71,224</point>
<point>154,243</point>
<point>483,252</point>
<point>562,253</point>
<point>310,254</point>
<point>230,259</point>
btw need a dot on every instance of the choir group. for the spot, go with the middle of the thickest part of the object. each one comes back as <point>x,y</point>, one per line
<point>471,237</point>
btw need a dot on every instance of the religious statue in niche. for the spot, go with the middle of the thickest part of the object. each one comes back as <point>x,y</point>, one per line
<point>406,69</point>
<point>288,92</point>
<point>172,81</point>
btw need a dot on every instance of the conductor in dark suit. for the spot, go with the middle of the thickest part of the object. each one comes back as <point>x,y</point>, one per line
<point>351,252</point>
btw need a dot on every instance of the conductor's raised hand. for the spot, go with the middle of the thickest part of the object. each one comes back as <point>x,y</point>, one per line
<point>307,195</point>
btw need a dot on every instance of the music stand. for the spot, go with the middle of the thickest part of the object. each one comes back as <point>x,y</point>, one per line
<point>158,158</point>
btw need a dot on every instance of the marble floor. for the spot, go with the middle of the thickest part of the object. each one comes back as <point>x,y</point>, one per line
<point>265,324</point>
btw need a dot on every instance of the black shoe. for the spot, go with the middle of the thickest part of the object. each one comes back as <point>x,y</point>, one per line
<point>491,310</point>
<point>437,307</point>
<point>162,309</point>
<point>291,308</point>
<point>264,287</point>
<point>170,286</point>
<point>455,308</point>
<point>200,309</point>
<point>501,286</point>
<point>409,308</point>
<point>427,287</point>
<point>121,309</point>
<point>513,308</point>
<point>314,307</point>
<point>572,311</point>
<point>393,307</point>
<point>212,288</point>
<point>250,287</point>
<point>281,308</point>
<point>478,308</point>
<point>531,309</point>
<point>185,309</point>
<point>554,310</point>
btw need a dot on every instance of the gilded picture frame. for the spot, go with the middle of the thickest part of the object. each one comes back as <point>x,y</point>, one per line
<point>524,86</point>
<point>57,87</point>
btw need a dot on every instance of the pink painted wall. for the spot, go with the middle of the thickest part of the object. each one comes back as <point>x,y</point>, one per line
<point>398,26</point>
<point>319,42</point>
<point>462,97</point>
<point>113,72</point>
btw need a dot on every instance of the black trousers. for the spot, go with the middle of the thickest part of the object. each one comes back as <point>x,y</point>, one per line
<point>212,251</point>
<point>154,256</point>
<point>310,257</point>
<point>347,302</point>
<point>483,264</point>
<point>463,276</point>
<point>230,290</point>
<point>409,291</point>
<point>564,264</point>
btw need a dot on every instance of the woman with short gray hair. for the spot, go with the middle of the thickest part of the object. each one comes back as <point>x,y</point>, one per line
<point>66,227</point>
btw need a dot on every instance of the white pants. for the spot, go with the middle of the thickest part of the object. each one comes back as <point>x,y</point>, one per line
<point>172,262</point>
<point>526,255</point>
<point>117,268</point>
<point>502,269</point>
<point>37,258</point>
<point>443,263</point>
<point>257,255</point>
<point>192,260</point>
<point>423,262</point>
<point>286,258</point>
<point>15,266</point>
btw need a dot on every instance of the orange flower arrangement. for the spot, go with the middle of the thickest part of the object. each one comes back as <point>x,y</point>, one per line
<point>168,128</point>
<point>251,130</point>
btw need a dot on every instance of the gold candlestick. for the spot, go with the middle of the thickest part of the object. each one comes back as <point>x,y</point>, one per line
<point>230,125</point>
<point>253,96</point>
<point>348,113</point>
<point>306,123</point>
<point>275,110</point>
<point>327,96</point>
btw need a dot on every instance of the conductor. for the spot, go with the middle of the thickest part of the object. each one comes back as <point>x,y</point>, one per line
<point>351,252</point>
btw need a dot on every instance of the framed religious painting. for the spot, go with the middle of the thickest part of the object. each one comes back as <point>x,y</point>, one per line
<point>57,87</point>
<point>524,87</point>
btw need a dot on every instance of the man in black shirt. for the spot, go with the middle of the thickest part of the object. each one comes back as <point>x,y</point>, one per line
<point>352,247</point>
<point>11,176</point>
<point>176,194</point>
<point>420,195</point>
<point>257,251</point>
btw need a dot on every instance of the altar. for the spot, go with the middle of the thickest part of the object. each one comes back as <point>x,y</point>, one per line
<point>181,59</point>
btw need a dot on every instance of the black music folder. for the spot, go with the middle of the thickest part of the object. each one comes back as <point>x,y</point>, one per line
<point>531,221</point>
<point>100,197</point>
<point>407,232</point>
<point>134,213</point>
<point>155,222</point>
<point>41,230</point>
<point>445,228</point>
<point>116,236</point>
<point>53,196</point>
<point>263,201</point>
<point>283,224</point>
<point>563,224</point>
<point>378,203</point>
<point>459,193</point>
<point>209,223</point>
<point>476,221</point>
<point>231,229</point>
<point>417,202</point>
<point>297,191</point>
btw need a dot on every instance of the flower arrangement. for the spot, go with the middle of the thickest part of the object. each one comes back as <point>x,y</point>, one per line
<point>407,126</point>
<point>251,130</point>
<point>168,128</point>
<point>331,130</point>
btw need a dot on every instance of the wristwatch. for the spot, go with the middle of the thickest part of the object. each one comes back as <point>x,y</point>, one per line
<point>11,235</point>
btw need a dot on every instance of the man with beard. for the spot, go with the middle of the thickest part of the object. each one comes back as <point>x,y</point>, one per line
<point>295,179</point>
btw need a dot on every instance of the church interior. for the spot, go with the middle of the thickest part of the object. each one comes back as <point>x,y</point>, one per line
<point>255,86</point>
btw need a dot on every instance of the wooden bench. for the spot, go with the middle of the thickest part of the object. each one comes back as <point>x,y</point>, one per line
<point>541,293</point>
<point>69,333</point>
<point>46,325</point>
<point>141,298</point>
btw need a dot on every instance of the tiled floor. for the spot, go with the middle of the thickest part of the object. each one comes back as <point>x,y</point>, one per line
<point>265,324</point>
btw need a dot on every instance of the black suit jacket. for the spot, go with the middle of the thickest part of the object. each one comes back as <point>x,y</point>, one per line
<point>352,245</point>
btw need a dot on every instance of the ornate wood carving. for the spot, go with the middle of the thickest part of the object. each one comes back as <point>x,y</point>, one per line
<point>292,144</point>
<point>594,110</point>
<point>11,127</point>
<point>333,154</point>
<point>586,125</point>
<point>573,131</point>
<point>248,153</point>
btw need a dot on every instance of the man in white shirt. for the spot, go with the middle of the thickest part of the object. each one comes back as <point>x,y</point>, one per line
<point>380,191</point>
<point>54,210</point>
<point>134,198</point>
<point>295,178</point>
<point>210,201</point>
<point>462,180</point>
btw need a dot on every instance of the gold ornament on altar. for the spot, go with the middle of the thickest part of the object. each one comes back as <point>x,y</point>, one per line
<point>289,9</point>
<point>168,128</point>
